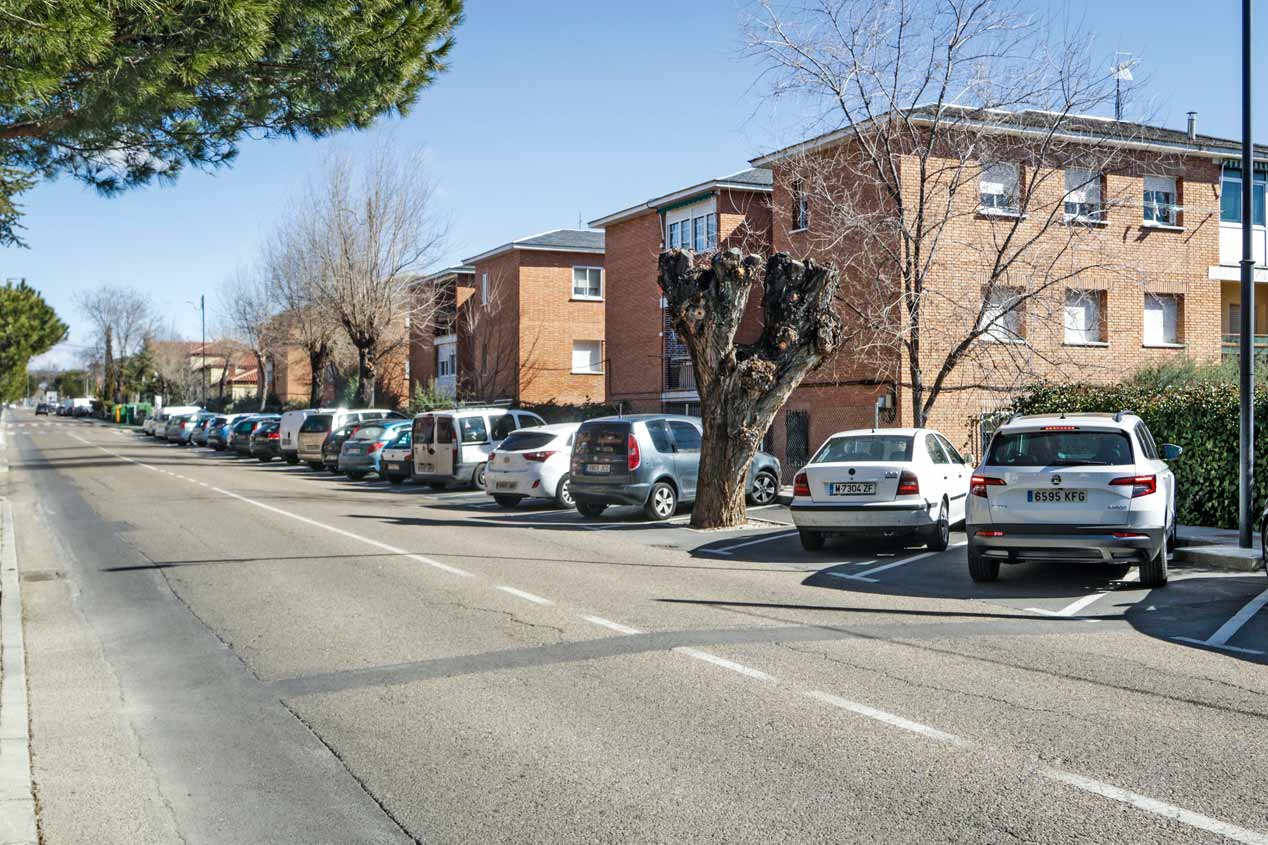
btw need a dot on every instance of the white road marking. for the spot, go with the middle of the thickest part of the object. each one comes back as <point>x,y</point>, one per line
<point>864,575</point>
<point>521,594</point>
<point>615,626</point>
<point>1158,808</point>
<point>726,664</point>
<point>888,718</point>
<point>726,550</point>
<point>1230,628</point>
<point>1074,607</point>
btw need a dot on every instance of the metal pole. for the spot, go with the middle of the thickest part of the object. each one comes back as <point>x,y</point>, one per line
<point>1245,491</point>
<point>202,306</point>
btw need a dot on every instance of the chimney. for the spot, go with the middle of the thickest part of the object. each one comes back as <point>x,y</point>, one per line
<point>1193,125</point>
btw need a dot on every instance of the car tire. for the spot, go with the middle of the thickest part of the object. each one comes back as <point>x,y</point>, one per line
<point>292,460</point>
<point>505,501</point>
<point>811,541</point>
<point>477,477</point>
<point>356,476</point>
<point>765,489</point>
<point>983,569</point>
<point>941,537</point>
<point>1172,533</point>
<point>1153,572</point>
<point>661,502</point>
<point>590,510</point>
<point>396,480</point>
<point>316,465</point>
<point>563,492</point>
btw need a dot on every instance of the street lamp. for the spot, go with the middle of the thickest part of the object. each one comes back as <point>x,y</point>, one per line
<point>202,307</point>
<point>1245,489</point>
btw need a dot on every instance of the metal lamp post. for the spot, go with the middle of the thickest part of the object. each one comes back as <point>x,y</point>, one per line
<point>1246,348</point>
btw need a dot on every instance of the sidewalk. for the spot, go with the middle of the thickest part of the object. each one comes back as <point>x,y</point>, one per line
<point>1216,548</point>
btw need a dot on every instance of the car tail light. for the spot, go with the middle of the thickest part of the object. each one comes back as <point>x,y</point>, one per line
<point>493,456</point>
<point>801,484</point>
<point>1142,485</point>
<point>634,458</point>
<point>979,483</point>
<point>1060,428</point>
<point>374,447</point>
<point>409,456</point>
<point>274,436</point>
<point>541,456</point>
<point>1131,535</point>
<point>990,533</point>
<point>908,484</point>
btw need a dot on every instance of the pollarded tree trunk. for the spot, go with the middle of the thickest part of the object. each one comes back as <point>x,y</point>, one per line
<point>366,374</point>
<point>743,386</point>
<point>317,356</point>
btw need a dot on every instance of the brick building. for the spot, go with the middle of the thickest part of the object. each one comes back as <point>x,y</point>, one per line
<point>648,369</point>
<point>522,322</point>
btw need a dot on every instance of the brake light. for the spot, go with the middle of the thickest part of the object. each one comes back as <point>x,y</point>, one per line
<point>374,447</point>
<point>908,484</point>
<point>274,436</point>
<point>539,456</point>
<point>990,533</point>
<point>801,484</point>
<point>634,458</point>
<point>1142,485</point>
<point>979,483</point>
<point>1060,428</point>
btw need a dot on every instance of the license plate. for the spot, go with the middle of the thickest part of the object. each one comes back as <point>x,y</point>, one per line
<point>851,488</point>
<point>599,469</point>
<point>395,465</point>
<point>505,485</point>
<point>1057,496</point>
<point>426,467</point>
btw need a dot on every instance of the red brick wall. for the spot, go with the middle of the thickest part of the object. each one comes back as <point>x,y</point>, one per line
<point>495,349</point>
<point>633,313</point>
<point>550,320</point>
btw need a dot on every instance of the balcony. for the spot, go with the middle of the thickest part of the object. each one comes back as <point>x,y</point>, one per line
<point>679,375</point>
<point>1231,343</point>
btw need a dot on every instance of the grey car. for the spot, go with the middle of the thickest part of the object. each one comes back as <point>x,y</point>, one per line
<point>651,461</point>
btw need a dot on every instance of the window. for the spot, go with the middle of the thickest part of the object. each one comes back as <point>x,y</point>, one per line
<point>800,206</point>
<point>503,425</point>
<point>1082,195</point>
<point>935,450</point>
<point>1083,310</point>
<point>473,429</point>
<point>1160,200</point>
<point>1060,448</point>
<point>660,436</point>
<point>587,282</point>
<point>444,431</point>
<point>484,289</point>
<point>1147,445</point>
<point>686,436</point>
<point>701,236</point>
<point>956,457</point>
<point>1003,318</point>
<point>997,187</point>
<point>1231,197</point>
<point>587,356</point>
<point>1235,318</point>
<point>867,447</point>
<point>446,360</point>
<point>1162,319</point>
<point>711,233</point>
<point>672,238</point>
<point>796,438</point>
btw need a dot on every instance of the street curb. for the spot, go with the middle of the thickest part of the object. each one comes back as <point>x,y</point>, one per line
<point>17,793</point>
<point>1231,558</point>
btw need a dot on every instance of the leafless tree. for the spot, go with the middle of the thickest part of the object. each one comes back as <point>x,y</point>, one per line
<point>121,318</point>
<point>497,364</point>
<point>249,308</point>
<point>370,228</point>
<point>293,271</point>
<point>939,181</point>
<point>169,355</point>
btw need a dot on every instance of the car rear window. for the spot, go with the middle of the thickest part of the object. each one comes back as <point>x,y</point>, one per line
<point>425,429</point>
<point>858,448</point>
<point>504,425</point>
<point>244,427</point>
<point>403,440</point>
<point>369,432</point>
<point>603,438</point>
<point>523,441</point>
<point>444,430</point>
<point>316,422</point>
<point>1060,448</point>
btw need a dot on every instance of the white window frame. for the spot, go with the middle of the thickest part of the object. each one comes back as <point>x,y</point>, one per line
<point>1012,328</point>
<point>1165,339</point>
<point>596,367</point>
<point>1158,197</point>
<point>484,289</point>
<point>999,188</point>
<point>1083,200</point>
<point>1078,332</point>
<point>680,223</point>
<point>447,357</point>
<point>800,206</point>
<point>587,297</point>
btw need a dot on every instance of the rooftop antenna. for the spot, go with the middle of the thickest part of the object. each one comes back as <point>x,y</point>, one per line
<point>1122,72</point>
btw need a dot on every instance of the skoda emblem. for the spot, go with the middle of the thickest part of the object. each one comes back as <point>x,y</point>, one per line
<point>1056,479</point>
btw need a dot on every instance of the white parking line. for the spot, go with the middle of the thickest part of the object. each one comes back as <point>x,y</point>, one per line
<point>865,574</point>
<point>726,664</point>
<point>1230,628</point>
<point>726,550</point>
<point>887,718</point>
<point>1074,607</point>
<point>523,595</point>
<point>614,626</point>
<point>1159,808</point>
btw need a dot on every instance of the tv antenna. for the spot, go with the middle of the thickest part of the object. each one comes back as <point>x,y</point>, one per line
<point>1122,72</point>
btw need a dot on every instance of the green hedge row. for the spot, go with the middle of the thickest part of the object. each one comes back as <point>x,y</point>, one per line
<point>1201,417</point>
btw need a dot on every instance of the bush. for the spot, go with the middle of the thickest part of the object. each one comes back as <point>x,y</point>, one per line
<point>554,412</point>
<point>1200,415</point>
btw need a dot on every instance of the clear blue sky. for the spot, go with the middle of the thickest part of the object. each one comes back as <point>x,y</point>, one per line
<point>550,112</point>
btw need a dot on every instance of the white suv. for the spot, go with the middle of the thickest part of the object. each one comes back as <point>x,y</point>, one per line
<point>1073,487</point>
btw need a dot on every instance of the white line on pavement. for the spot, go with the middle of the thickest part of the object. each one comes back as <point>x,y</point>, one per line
<point>726,550</point>
<point>1074,607</point>
<point>1158,808</point>
<point>615,626</point>
<point>864,575</point>
<point>726,664</point>
<point>521,594</point>
<point>887,718</point>
<point>1230,628</point>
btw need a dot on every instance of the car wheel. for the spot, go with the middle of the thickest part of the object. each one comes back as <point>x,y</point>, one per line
<point>811,541</point>
<point>563,493</point>
<point>507,501</point>
<point>264,459</point>
<point>396,480</point>
<point>316,465</point>
<point>477,477</point>
<point>661,503</point>
<point>983,568</point>
<point>1153,572</point>
<point>292,460</point>
<point>765,489</point>
<point>942,530</point>
<point>590,510</point>
<point>437,486</point>
<point>356,476</point>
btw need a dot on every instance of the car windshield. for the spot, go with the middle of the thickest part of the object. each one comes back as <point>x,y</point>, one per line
<point>1060,448</point>
<point>523,441</point>
<point>403,440</point>
<point>858,448</point>
<point>316,422</point>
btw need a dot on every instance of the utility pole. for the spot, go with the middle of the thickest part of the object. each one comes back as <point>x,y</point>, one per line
<point>202,306</point>
<point>1246,348</point>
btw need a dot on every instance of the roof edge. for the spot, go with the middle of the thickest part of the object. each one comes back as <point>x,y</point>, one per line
<point>655,203</point>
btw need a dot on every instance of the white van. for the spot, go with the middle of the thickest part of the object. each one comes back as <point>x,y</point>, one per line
<point>157,422</point>
<point>454,446</point>
<point>314,428</point>
<point>289,431</point>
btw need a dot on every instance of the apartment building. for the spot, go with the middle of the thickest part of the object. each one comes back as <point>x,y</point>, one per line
<point>522,322</point>
<point>648,368</point>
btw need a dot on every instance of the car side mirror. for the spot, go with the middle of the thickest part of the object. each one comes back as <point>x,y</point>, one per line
<point>1170,451</point>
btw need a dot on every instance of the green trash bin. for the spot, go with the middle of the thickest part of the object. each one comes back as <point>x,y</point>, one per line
<point>129,414</point>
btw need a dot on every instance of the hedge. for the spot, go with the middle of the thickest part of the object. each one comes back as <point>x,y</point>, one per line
<point>1201,417</point>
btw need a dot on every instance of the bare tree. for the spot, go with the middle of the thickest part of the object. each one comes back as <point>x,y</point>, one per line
<point>293,271</point>
<point>941,181</point>
<point>249,307</point>
<point>369,229</point>
<point>121,318</point>
<point>743,386</point>
<point>496,364</point>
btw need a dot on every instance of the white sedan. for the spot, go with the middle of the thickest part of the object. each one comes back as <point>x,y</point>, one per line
<point>882,483</point>
<point>532,462</point>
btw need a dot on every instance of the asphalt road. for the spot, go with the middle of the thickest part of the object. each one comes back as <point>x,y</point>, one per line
<point>226,651</point>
